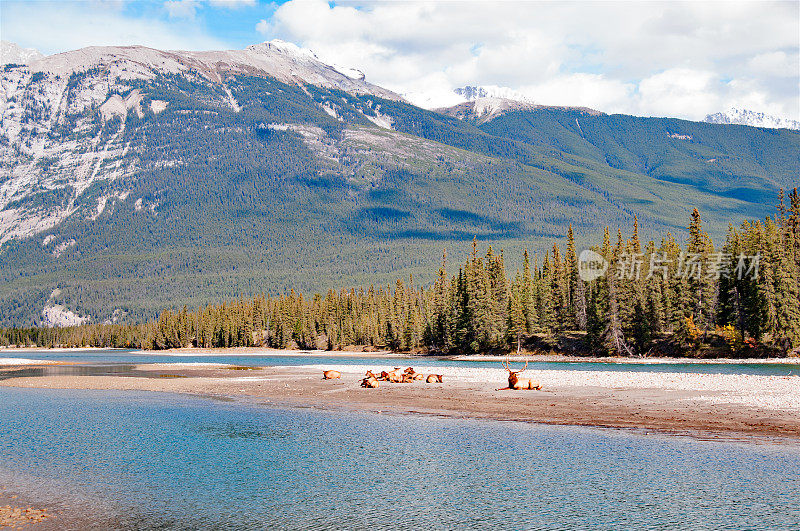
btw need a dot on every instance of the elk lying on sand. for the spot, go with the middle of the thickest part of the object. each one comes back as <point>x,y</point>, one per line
<point>410,375</point>
<point>515,382</point>
<point>330,375</point>
<point>394,376</point>
<point>370,381</point>
<point>407,376</point>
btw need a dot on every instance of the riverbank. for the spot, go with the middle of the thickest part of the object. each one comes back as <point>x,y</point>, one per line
<point>706,405</point>
<point>532,356</point>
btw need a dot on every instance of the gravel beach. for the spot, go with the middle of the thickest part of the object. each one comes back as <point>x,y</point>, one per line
<point>704,405</point>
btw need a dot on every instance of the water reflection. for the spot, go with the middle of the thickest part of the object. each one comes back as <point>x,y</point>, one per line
<point>74,370</point>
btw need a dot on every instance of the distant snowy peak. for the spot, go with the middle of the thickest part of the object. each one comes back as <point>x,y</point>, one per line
<point>485,109</point>
<point>485,103</point>
<point>472,93</point>
<point>752,118</point>
<point>11,53</point>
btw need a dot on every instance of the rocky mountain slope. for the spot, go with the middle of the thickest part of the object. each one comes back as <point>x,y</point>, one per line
<point>54,110</point>
<point>132,179</point>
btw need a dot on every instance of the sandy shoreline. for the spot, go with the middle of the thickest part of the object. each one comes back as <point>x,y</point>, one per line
<point>705,405</point>
<point>260,351</point>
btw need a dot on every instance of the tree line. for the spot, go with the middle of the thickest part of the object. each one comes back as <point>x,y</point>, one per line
<point>621,297</point>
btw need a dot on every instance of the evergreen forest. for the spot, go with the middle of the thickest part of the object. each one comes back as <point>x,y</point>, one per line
<point>667,297</point>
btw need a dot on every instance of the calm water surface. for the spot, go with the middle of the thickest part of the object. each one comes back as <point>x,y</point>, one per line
<point>135,357</point>
<point>144,460</point>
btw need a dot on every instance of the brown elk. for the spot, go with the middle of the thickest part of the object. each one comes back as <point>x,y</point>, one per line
<point>370,381</point>
<point>410,375</point>
<point>394,376</point>
<point>515,382</point>
<point>434,378</point>
<point>330,375</point>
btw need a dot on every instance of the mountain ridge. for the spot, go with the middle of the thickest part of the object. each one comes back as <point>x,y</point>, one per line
<point>124,194</point>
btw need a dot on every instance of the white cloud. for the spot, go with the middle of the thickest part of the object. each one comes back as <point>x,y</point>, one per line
<point>684,59</point>
<point>778,64</point>
<point>232,4</point>
<point>679,92</point>
<point>188,8</point>
<point>53,27</point>
<point>181,8</point>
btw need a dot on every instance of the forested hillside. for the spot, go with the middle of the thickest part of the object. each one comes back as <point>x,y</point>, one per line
<point>196,191</point>
<point>667,297</point>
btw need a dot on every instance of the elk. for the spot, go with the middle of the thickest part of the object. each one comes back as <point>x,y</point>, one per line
<point>394,376</point>
<point>330,375</point>
<point>410,375</point>
<point>370,381</point>
<point>434,378</point>
<point>514,382</point>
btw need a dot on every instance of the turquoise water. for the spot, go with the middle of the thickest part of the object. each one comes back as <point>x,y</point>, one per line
<point>150,460</point>
<point>135,357</point>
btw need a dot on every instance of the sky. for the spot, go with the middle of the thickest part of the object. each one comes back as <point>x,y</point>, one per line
<point>644,58</point>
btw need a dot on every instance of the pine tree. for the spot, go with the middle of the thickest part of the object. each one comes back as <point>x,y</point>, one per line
<point>700,285</point>
<point>547,315</point>
<point>787,288</point>
<point>528,296</point>
<point>577,288</point>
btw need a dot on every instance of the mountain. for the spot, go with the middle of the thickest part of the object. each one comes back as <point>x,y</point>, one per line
<point>11,53</point>
<point>755,119</point>
<point>55,97</point>
<point>485,109</point>
<point>485,103</point>
<point>133,179</point>
<point>473,92</point>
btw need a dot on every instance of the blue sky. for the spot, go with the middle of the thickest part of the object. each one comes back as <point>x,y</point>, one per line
<point>656,58</point>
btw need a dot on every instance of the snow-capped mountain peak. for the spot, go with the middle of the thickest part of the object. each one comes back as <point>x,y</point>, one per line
<point>472,92</point>
<point>752,118</point>
<point>284,47</point>
<point>487,102</point>
<point>11,53</point>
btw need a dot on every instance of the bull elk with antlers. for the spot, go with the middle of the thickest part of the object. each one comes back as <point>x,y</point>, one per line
<point>514,381</point>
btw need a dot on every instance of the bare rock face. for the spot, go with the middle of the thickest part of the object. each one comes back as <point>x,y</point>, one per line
<point>64,115</point>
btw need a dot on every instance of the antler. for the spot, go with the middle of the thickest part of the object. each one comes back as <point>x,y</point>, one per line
<point>507,365</point>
